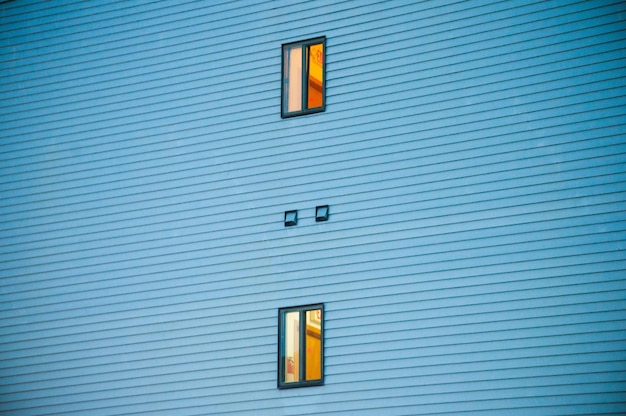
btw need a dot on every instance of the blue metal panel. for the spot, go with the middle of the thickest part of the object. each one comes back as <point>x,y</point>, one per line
<point>472,154</point>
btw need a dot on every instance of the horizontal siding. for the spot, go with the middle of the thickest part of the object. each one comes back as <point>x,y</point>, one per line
<point>472,154</point>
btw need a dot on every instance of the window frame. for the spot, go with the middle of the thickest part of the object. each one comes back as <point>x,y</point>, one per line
<point>302,382</point>
<point>284,112</point>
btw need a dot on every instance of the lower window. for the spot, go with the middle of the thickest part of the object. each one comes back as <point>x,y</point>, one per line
<point>301,346</point>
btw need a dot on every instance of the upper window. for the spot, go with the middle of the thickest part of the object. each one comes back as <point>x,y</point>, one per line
<point>304,72</point>
<point>301,346</point>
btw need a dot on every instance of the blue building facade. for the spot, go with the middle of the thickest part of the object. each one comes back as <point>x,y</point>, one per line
<point>471,154</point>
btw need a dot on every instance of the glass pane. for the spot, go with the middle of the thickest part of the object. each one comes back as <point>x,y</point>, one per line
<point>292,93</point>
<point>292,347</point>
<point>314,344</point>
<point>316,76</point>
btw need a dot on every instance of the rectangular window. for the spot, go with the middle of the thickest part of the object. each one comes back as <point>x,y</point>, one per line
<point>301,346</point>
<point>304,72</point>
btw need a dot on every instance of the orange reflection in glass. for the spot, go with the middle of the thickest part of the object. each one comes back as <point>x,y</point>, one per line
<point>313,344</point>
<point>316,76</point>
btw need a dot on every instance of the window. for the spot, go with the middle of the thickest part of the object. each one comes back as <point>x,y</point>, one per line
<point>301,346</point>
<point>304,73</point>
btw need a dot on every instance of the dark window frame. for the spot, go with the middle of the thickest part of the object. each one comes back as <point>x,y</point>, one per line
<point>284,113</point>
<point>282,313</point>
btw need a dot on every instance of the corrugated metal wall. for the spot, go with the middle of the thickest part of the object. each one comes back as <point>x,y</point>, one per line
<point>472,154</point>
